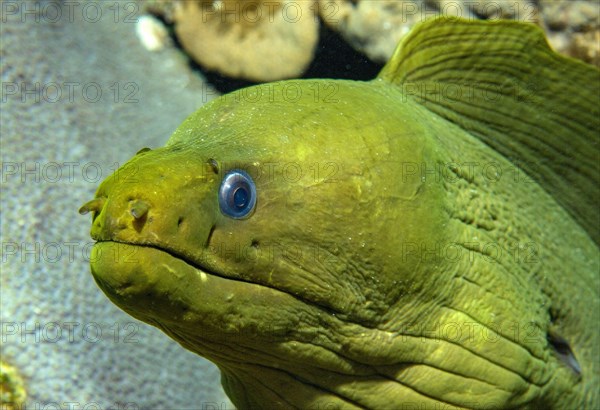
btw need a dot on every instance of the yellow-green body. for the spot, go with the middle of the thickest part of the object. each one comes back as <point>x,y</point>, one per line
<point>394,260</point>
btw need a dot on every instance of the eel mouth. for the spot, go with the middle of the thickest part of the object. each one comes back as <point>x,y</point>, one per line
<point>131,253</point>
<point>158,286</point>
<point>124,270</point>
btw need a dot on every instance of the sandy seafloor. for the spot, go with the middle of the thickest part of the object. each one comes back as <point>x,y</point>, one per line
<point>73,348</point>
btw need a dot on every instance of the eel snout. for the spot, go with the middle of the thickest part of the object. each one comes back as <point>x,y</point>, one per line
<point>134,216</point>
<point>138,209</point>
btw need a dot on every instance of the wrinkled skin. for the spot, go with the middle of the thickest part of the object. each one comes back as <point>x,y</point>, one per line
<point>370,274</point>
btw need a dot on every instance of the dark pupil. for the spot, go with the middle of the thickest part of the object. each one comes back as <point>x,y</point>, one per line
<point>240,197</point>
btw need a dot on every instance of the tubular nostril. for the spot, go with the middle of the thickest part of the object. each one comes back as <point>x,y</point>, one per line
<point>139,209</point>
<point>95,205</point>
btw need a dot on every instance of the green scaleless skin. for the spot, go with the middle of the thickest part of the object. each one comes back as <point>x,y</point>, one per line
<point>411,246</point>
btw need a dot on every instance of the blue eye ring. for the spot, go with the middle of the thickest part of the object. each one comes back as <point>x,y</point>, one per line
<point>237,194</point>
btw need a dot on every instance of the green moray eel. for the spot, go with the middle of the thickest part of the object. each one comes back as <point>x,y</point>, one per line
<point>428,239</point>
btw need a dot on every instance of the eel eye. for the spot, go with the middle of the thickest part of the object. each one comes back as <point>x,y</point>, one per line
<point>237,194</point>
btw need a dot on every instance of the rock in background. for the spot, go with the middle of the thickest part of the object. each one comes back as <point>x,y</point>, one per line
<point>247,39</point>
<point>375,27</point>
<point>573,28</point>
<point>255,40</point>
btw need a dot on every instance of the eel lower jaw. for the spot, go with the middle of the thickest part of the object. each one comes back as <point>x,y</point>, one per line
<point>208,314</point>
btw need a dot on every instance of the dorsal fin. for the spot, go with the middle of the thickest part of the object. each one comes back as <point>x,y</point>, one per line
<point>501,82</point>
